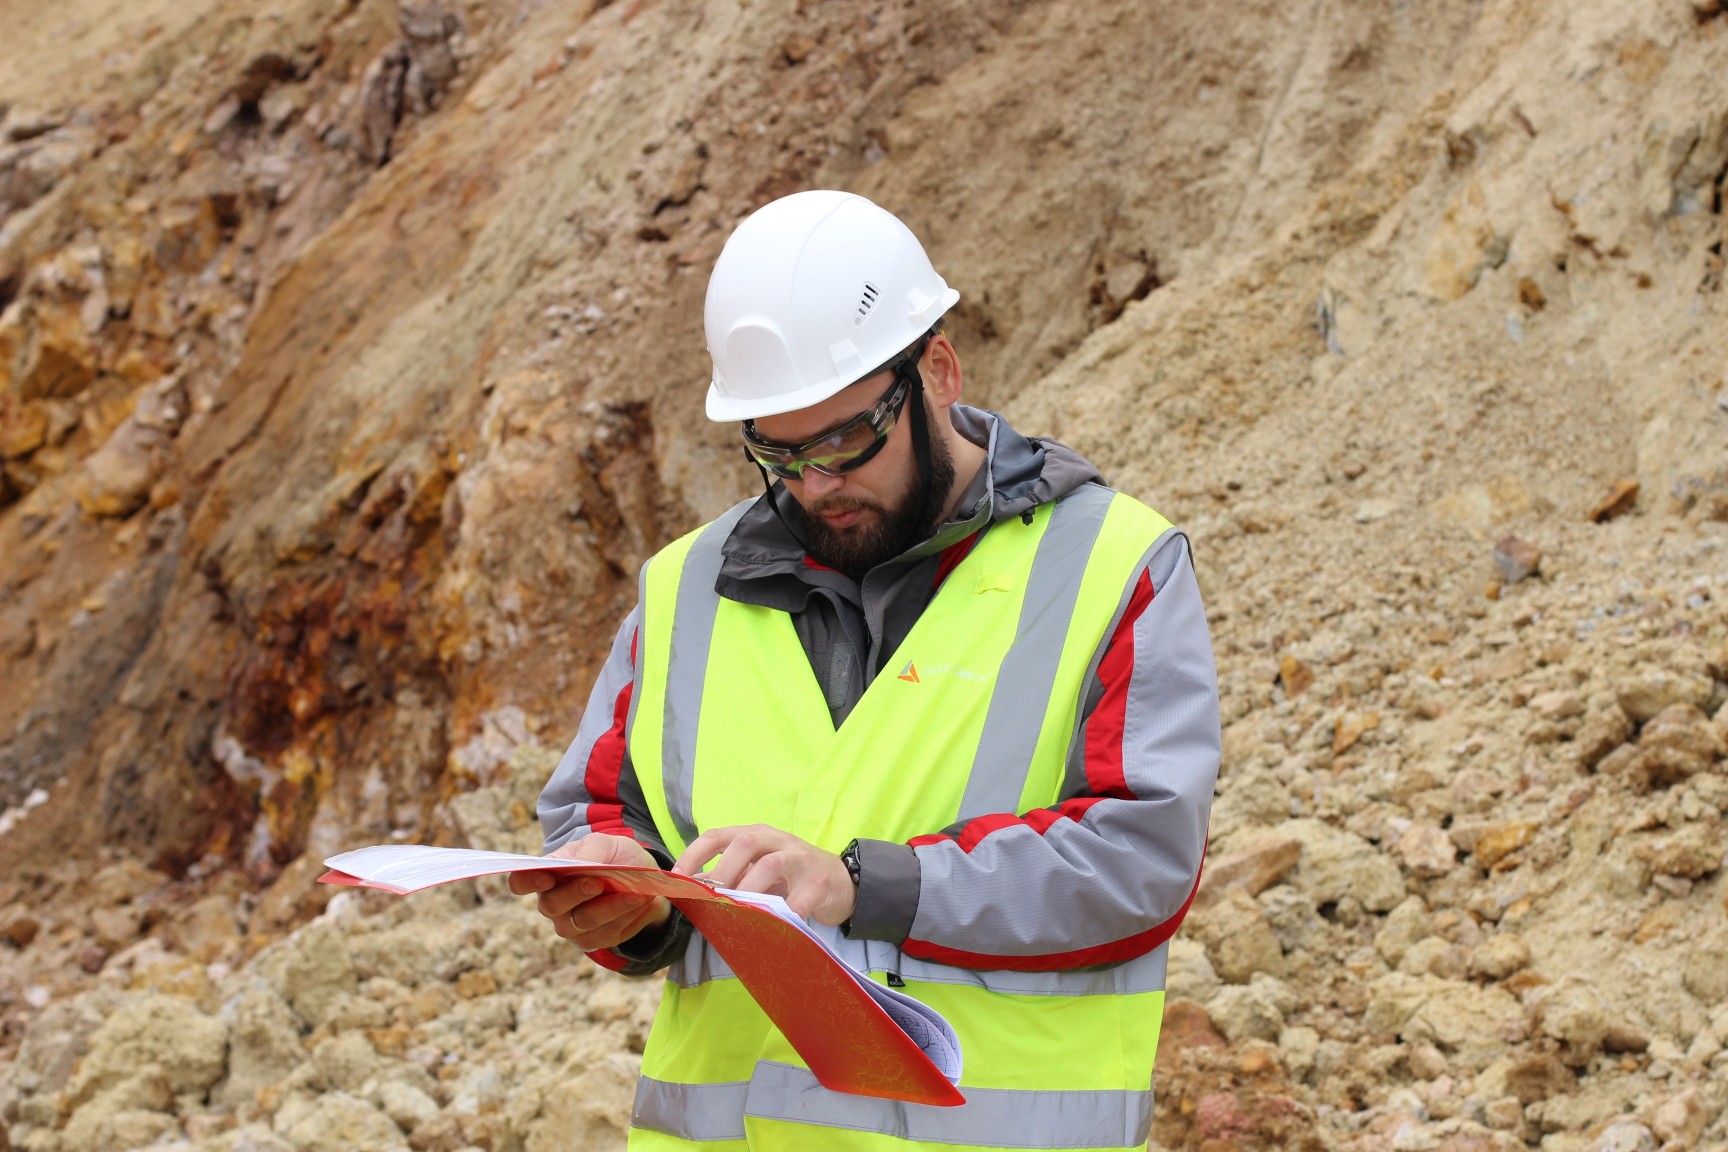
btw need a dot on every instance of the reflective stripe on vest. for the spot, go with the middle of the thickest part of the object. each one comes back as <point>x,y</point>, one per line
<point>703,1112</point>
<point>984,696</point>
<point>996,1119</point>
<point>700,963</point>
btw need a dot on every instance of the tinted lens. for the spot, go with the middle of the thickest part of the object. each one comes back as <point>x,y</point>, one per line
<point>841,452</point>
<point>852,445</point>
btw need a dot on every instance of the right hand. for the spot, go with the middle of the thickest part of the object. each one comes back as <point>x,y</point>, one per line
<point>580,908</point>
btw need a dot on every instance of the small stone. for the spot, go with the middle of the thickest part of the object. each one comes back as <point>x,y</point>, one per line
<point>19,929</point>
<point>1623,1037</point>
<point>1405,927</point>
<point>116,927</point>
<point>338,1121</point>
<point>1427,851</point>
<point>1625,1136</point>
<point>407,1105</point>
<point>1602,732</point>
<point>1295,676</point>
<point>1239,941</point>
<point>1433,955</point>
<point>1343,869</point>
<point>1619,761</point>
<point>1255,1010</point>
<point>476,983</point>
<point>1573,1013</point>
<point>1499,956</point>
<point>1511,663</point>
<point>1676,744</point>
<point>1252,869</point>
<point>1372,511</point>
<point>1681,1117</point>
<point>1537,1076</point>
<point>1350,727</point>
<point>1654,691</point>
<point>118,476</point>
<point>1702,972</point>
<point>1693,852</point>
<point>1504,1114</point>
<point>1619,498</point>
<point>1516,559</point>
<point>23,429</point>
<point>1498,841</point>
<point>1557,705</point>
<point>1186,1025</point>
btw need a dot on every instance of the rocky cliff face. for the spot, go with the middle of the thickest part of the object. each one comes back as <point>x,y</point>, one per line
<point>350,364</point>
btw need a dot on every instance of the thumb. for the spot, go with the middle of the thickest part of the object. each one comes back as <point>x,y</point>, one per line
<point>601,848</point>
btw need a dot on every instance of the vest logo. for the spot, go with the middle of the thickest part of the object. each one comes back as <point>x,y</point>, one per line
<point>911,675</point>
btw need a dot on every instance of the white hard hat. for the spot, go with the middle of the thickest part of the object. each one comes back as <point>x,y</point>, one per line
<point>813,292</point>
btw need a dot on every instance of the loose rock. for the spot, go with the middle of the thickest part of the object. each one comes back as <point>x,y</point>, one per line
<point>1516,559</point>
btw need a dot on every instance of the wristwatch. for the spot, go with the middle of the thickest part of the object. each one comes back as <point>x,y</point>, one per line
<point>849,857</point>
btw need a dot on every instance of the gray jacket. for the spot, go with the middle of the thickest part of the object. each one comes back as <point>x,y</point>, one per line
<point>1104,877</point>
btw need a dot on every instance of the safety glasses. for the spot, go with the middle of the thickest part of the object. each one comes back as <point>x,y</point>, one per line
<point>853,444</point>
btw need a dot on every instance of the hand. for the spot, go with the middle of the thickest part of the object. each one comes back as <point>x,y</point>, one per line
<point>580,909</point>
<point>757,858</point>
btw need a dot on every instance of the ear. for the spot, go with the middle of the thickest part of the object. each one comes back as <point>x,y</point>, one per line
<point>941,372</point>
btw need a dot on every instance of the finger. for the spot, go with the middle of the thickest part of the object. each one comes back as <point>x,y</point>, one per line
<point>603,848</point>
<point>703,849</point>
<point>652,914</point>
<point>744,854</point>
<point>768,873</point>
<point>595,914</point>
<point>560,899</point>
<point>528,883</point>
<point>613,923</point>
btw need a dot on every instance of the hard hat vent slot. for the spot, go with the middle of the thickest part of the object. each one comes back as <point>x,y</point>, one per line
<point>866,302</point>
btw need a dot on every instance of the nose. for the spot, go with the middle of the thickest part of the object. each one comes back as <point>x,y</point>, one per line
<point>819,484</point>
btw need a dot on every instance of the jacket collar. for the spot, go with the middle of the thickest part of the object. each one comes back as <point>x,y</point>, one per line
<point>1019,474</point>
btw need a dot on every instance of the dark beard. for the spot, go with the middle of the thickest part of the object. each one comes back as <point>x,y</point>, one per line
<point>856,550</point>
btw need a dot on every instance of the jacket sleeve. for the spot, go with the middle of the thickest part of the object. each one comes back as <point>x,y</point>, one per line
<point>1108,873</point>
<point>595,789</point>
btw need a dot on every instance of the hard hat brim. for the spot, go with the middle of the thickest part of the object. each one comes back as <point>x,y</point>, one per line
<point>725,409</point>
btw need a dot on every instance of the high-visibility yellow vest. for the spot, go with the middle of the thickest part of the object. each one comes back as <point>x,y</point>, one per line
<point>729,726</point>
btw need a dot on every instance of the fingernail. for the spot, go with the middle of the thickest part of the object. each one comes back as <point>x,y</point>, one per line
<point>590,888</point>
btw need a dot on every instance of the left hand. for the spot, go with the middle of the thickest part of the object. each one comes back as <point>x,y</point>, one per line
<point>758,858</point>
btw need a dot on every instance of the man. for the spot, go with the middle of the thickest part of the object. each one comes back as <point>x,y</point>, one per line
<point>938,686</point>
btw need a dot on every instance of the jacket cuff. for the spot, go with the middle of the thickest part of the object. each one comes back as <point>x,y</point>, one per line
<point>889,877</point>
<point>654,948</point>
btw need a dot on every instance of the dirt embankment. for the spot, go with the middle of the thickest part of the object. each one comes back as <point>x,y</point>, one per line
<point>349,366</point>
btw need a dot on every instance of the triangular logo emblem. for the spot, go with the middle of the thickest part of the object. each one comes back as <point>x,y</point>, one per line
<point>910,672</point>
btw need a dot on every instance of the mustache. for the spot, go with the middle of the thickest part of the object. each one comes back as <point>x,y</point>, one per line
<point>833,505</point>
